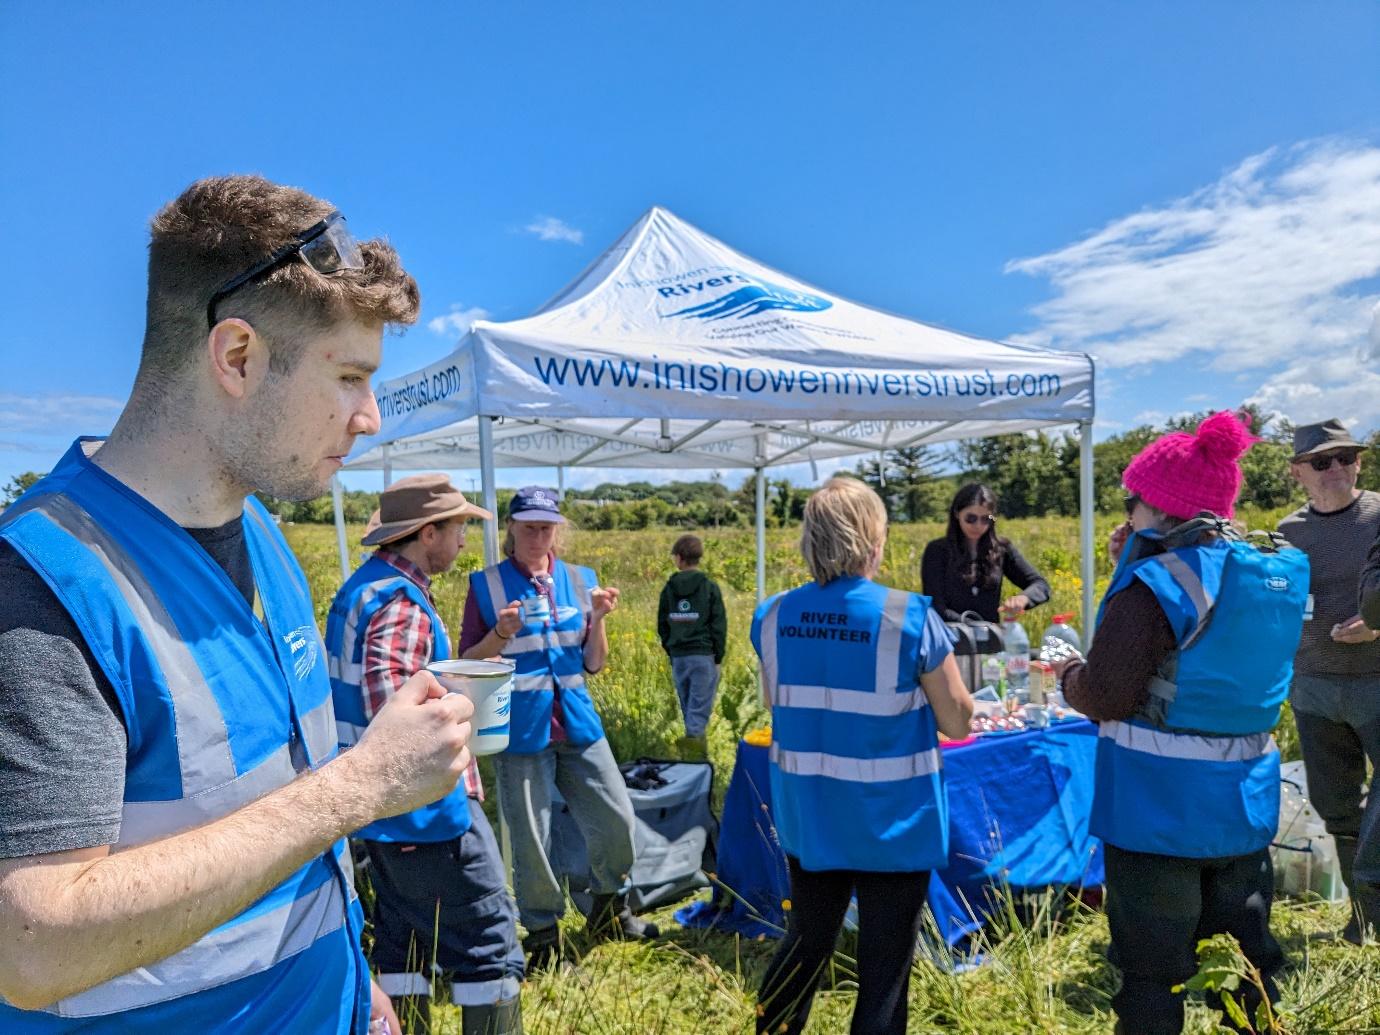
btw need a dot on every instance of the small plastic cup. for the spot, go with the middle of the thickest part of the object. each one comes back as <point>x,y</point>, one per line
<point>489,686</point>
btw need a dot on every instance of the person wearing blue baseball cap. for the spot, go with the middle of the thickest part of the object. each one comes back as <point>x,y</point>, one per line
<point>548,617</point>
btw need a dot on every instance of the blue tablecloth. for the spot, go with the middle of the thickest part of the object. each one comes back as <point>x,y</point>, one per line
<point>1018,811</point>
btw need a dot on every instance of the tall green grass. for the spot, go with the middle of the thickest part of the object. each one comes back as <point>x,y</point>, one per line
<point>1045,965</point>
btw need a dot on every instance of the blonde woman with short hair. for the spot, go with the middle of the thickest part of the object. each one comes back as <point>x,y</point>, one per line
<point>860,679</point>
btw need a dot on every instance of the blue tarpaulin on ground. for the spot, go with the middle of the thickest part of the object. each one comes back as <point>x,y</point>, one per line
<point>1018,812</point>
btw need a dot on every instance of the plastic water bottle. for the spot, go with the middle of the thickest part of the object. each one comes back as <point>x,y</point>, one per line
<point>1017,658</point>
<point>1060,629</point>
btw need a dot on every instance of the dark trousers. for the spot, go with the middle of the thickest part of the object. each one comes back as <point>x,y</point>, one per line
<point>1334,757</point>
<point>889,907</point>
<point>446,904</point>
<point>1159,907</point>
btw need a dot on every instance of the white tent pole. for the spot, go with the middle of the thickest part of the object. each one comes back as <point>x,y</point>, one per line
<point>761,519</point>
<point>387,466</point>
<point>488,488</point>
<point>1085,523</point>
<point>560,482</point>
<point>338,505</point>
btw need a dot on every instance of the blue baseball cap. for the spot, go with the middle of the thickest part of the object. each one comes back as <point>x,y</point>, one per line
<point>533,503</point>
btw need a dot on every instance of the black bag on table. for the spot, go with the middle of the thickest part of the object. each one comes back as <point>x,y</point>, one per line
<point>675,835</point>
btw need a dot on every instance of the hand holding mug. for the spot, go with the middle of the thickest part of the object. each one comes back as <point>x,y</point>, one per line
<point>509,620</point>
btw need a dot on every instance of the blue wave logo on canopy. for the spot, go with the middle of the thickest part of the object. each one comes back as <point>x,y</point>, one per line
<point>752,300</point>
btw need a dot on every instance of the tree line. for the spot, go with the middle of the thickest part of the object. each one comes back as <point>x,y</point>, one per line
<point>1034,474</point>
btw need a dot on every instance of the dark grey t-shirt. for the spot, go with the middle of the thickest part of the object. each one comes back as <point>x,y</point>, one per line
<point>62,733</point>
<point>1336,544</point>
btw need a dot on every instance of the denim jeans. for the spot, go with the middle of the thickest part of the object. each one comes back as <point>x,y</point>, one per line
<point>589,780</point>
<point>697,681</point>
<point>1338,719</point>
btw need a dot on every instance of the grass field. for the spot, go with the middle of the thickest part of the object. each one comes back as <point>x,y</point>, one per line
<point>1045,973</point>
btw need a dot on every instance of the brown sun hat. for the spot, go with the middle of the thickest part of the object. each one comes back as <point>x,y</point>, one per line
<point>415,501</point>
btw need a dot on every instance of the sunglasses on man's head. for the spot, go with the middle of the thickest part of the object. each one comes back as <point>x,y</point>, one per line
<point>978,519</point>
<point>326,247</point>
<point>1322,463</point>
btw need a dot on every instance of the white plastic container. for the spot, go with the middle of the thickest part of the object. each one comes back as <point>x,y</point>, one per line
<point>489,686</point>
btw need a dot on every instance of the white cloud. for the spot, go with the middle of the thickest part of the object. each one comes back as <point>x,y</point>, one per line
<point>457,321</point>
<point>1315,389</point>
<point>1275,261</point>
<point>549,228</point>
<point>1249,271</point>
<point>65,414</point>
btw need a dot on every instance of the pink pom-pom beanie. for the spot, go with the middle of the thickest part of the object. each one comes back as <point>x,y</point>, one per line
<point>1183,474</point>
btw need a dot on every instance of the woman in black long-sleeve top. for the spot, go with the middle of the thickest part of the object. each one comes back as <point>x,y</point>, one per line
<point>963,571</point>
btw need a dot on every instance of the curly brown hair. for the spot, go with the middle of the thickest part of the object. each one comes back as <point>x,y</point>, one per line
<point>222,225</point>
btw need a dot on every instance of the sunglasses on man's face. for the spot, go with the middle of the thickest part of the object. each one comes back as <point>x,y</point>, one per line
<point>327,247</point>
<point>1132,502</point>
<point>978,519</point>
<point>1322,463</point>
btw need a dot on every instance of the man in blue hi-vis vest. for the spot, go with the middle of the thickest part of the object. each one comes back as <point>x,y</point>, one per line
<point>440,892</point>
<point>1191,662</point>
<point>172,806</point>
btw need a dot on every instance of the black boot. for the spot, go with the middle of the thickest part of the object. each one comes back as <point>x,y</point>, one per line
<point>543,948</point>
<point>1365,898</point>
<point>610,916</point>
<point>501,1018</point>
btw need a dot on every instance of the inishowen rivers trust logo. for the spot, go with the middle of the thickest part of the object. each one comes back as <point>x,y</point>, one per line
<point>752,299</point>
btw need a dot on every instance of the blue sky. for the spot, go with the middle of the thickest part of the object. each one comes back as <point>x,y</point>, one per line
<point>1191,192</point>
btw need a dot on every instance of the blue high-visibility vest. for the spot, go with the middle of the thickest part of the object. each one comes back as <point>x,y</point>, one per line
<point>1195,774</point>
<point>548,652</point>
<point>368,589</point>
<point>219,709</point>
<point>856,775</point>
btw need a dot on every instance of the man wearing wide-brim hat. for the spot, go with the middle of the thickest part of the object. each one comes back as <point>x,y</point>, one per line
<point>440,892</point>
<point>1336,688</point>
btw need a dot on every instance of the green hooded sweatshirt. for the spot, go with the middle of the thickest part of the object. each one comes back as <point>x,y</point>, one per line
<point>691,618</point>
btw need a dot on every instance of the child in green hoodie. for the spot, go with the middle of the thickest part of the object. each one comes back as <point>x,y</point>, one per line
<point>694,631</point>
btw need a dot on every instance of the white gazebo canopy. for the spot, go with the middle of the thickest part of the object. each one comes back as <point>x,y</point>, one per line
<point>672,350</point>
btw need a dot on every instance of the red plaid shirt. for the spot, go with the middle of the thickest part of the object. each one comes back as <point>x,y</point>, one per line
<point>397,644</point>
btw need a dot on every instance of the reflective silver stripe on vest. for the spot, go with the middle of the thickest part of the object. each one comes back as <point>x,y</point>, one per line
<point>498,597</point>
<point>540,641</point>
<point>853,702</point>
<point>546,681</point>
<point>1188,746</point>
<point>203,744</point>
<point>1192,585</point>
<point>767,635</point>
<point>343,666</point>
<point>240,950</point>
<point>888,658</point>
<point>318,730</point>
<point>347,734</point>
<point>143,821</point>
<point>856,770</point>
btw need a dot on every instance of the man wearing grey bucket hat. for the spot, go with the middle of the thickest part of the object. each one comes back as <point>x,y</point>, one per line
<point>1336,689</point>
<point>441,901</point>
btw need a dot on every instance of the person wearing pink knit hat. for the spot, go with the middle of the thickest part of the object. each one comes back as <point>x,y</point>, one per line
<point>1191,662</point>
